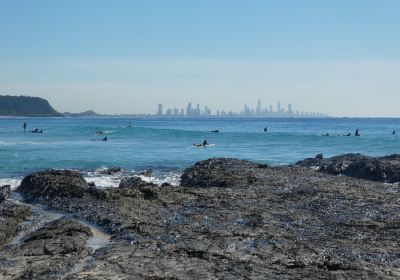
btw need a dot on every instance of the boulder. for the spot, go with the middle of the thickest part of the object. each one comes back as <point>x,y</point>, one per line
<point>382,169</point>
<point>5,192</point>
<point>53,183</point>
<point>220,172</point>
<point>11,215</point>
<point>111,170</point>
<point>134,182</point>
<point>147,173</point>
<point>62,236</point>
<point>47,253</point>
<point>316,162</point>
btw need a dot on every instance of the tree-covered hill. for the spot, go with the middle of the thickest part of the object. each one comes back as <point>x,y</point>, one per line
<point>26,106</point>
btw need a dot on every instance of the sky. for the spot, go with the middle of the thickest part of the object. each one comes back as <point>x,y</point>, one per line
<point>336,57</point>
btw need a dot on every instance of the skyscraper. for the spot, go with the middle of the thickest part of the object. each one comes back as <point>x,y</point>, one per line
<point>160,111</point>
<point>290,109</point>
<point>258,109</point>
<point>189,109</point>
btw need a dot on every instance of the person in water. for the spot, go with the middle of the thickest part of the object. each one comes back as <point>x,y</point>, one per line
<point>105,139</point>
<point>266,129</point>
<point>205,143</point>
<point>36,130</point>
<point>394,132</point>
<point>348,134</point>
<point>357,132</point>
<point>25,125</point>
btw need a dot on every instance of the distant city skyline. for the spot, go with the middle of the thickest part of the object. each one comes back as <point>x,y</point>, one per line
<point>197,110</point>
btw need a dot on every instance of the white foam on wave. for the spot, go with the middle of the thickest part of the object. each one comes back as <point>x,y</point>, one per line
<point>113,180</point>
<point>170,177</point>
<point>13,182</point>
<point>110,181</point>
<point>103,180</point>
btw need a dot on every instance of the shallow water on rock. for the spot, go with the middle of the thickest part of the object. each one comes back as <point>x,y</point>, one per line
<point>42,216</point>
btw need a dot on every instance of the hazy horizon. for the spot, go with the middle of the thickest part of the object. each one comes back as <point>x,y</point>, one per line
<point>339,58</point>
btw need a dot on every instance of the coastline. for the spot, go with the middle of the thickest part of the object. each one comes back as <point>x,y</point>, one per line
<point>227,218</point>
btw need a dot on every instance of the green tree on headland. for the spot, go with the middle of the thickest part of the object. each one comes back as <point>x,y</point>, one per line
<point>26,106</point>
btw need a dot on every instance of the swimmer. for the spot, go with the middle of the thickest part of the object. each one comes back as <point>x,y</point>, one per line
<point>357,132</point>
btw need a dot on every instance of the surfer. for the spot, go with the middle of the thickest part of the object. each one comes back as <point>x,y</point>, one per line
<point>348,134</point>
<point>130,124</point>
<point>266,129</point>
<point>36,130</point>
<point>105,139</point>
<point>357,133</point>
<point>204,144</point>
<point>394,132</point>
<point>99,132</point>
<point>215,131</point>
<point>24,126</point>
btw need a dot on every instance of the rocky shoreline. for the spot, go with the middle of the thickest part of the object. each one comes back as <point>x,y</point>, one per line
<point>335,218</point>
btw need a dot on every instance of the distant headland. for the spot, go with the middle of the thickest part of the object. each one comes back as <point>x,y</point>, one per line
<point>26,106</point>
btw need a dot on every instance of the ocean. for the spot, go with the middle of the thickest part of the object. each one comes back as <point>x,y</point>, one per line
<point>166,145</point>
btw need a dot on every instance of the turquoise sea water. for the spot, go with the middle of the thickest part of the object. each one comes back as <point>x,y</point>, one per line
<point>165,145</point>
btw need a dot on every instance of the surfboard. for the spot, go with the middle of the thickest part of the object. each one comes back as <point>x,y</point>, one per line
<point>202,146</point>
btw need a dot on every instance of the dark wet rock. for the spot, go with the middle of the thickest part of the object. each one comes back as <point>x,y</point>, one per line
<point>319,156</point>
<point>134,182</point>
<point>111,170</point>
<point>147,173</point>
<point>382,169</point>
<point>220,172</point>
<point>11,216</point>
<point>233,219</point>
<point>5,192</point>
<point>373,169</point>
<point>63,236</point>
<point>148,193</point>
<point>53,183</point>
<point>47,253</point>
<point>315,162</point>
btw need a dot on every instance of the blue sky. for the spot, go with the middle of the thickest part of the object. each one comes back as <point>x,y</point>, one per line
<point>127,56</point>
